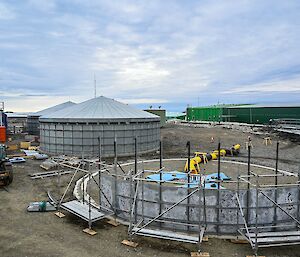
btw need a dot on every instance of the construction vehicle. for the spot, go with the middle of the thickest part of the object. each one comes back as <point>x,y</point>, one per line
<point>6,171</point>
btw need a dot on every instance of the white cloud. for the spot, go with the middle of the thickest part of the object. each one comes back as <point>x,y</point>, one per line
<point>6,13</point>
<point>43,5</point>
<point>31,103</point>
<point>143,101</point>
<point>285,86</point>
<point>159,51</point>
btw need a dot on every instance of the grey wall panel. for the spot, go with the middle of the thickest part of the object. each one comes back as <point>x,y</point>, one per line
<point>33,125</point>
<point>78,139</point>
<point>225,223</point>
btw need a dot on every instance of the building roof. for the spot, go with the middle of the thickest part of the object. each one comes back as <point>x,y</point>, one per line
<point>246,105</point>
<point>17,114</point>
<point>268,105</point>
<point>98,108</point>
<point>52,109</point>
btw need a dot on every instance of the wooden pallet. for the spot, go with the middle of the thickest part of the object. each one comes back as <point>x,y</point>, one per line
<point>59,214</point>
<point>91,232</point>
<point>130,243</point>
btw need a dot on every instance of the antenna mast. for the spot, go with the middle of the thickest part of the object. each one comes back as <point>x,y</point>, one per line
<point>95,86</point>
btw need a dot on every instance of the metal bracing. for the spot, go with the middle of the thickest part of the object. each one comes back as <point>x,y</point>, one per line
<point>271,235</point>
<point>145,227</point>
<point>84,208</point>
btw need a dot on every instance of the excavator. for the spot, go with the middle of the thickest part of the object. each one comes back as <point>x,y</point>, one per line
<point>6,171</point>
<point>205,157</point>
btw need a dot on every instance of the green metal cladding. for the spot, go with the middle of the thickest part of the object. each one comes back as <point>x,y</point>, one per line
<point>243,114</point>
<point>204,113</point>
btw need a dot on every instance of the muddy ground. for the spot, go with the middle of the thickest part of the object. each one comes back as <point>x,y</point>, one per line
<point>44,234</point>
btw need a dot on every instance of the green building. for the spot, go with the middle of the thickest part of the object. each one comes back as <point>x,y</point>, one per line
<point>258,114</point>
<point>207,113</point>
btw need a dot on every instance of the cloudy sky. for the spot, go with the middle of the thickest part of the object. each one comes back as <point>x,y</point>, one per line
<point>168,53</point>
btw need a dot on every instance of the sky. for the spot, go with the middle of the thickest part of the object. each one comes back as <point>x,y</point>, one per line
<point>159,53</point>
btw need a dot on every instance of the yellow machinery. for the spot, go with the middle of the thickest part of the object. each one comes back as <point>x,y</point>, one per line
<point>205,157</point>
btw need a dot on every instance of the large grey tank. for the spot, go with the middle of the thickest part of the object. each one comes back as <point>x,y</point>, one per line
<point>76,130</point>
<point>33,119</point>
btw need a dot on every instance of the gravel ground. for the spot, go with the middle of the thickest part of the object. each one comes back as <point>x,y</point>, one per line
<point>44,234</point>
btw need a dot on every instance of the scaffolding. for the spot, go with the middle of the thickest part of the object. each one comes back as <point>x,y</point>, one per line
<point>125,194</point>
<point>84,208</point>
<point>155,227</point>
<point>276,234</point>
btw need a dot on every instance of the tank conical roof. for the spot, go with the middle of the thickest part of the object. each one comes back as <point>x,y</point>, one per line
<point>99,108</point>
<point>53,109</point>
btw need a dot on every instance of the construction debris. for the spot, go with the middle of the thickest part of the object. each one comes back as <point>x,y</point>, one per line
<point>41,156</point>
<point>48,164</point>
<point>50,174</point>
<point>24,145</point>
<point>13,147</point>
<point>30,152</point>
<point>40,207</point>
<point>17,160</point>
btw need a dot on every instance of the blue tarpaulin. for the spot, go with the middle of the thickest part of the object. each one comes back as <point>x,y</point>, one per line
<point>168,176</point>
<point>214,176</point>
<point>182,176</point>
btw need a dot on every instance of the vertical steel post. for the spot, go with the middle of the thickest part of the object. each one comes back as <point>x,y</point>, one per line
<point>135,155</point>
<point>218,196</point>
<point>83,197</point>
<point>160,179</point>
<point>204,202</point>
<point>135,172</point>
<point>131,204</point>
<point>115,179</point>
<point>160,154</point>
<point>90,211</point>
<point>99,172</point>
<point>199,220</point>
<point>276,183</point>
<point>83,189</point>
<point>189,162</point>
<point>276,164</point>
<point>237,206</point>
<point>59,191</point>
<point>143,197</point>
<point>256,216</point>
<point>188,176</point>
<point>248,184</point>
<point>219,164</point>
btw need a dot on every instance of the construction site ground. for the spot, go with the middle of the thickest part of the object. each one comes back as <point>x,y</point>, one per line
<point>44,234</point>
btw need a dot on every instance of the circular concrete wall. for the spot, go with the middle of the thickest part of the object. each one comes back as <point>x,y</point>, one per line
<point>223,216</point>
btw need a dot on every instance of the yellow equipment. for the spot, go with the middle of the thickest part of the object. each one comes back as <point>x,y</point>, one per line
<point>205,157</point>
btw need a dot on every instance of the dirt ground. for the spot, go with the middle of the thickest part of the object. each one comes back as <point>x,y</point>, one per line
<point>45,235</point>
